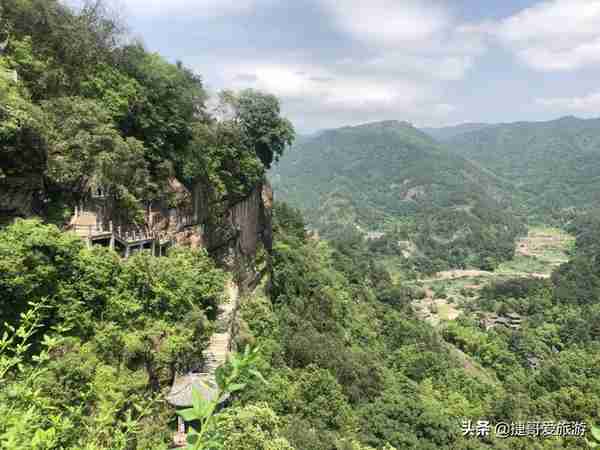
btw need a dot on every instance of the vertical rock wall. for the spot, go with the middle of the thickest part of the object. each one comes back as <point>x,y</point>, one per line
<point>235,235</point>
<point>242,226</point>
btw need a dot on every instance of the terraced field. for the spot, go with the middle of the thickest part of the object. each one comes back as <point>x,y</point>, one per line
<point>536,255</point>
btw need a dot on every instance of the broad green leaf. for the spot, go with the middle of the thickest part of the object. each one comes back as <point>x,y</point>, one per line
<point>197,401</point>
<point>236,387</point>
<point>220,377</point>
<point>188,414</point>
<point>258,375</point>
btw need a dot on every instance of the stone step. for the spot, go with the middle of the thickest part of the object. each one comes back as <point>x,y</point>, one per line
<point>218,348</point>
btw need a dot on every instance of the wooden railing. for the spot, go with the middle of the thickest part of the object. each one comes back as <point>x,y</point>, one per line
<point>127,236</point>
<point>92,231</point>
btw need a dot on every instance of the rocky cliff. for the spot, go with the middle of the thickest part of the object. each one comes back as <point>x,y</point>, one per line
<point>239,235</point>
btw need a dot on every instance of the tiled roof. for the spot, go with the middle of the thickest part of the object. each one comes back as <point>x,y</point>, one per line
<point>181,392</point>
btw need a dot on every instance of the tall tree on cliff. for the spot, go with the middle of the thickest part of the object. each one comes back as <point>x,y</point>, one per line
<point>233,151</point>
<point>265,131</point>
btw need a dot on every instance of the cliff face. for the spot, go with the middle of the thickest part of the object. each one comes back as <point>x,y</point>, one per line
<point>21,177</point>
<point>19,196</point>
<point>239,236</point>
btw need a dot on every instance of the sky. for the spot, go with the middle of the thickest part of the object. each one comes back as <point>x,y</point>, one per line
<point>429,62</point>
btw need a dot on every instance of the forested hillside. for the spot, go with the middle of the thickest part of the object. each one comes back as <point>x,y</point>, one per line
<point>554,165</point>
<point>82,105</point>
<point>326,343</point>
<point>386,173</point>
<point>89,340</point>
<point>347,358</point>
<point>90,343</point>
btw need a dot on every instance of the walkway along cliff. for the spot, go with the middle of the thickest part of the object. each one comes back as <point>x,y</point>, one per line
<point>241,240</point>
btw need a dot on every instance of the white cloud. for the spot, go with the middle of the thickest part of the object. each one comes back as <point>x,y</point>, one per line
<point>436,67</point>
<point>551,36</point>
<point>317,96</point>
<point>414,38</point>
<point>587,104</point>
<point>320,84</point>
<point>387,22</point>
<point>404,54</point>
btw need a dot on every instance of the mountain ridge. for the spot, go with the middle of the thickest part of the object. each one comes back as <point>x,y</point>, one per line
<point>372,175</point>
<point>554,165</point>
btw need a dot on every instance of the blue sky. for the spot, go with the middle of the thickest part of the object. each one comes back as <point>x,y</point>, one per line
<point>429,62</point>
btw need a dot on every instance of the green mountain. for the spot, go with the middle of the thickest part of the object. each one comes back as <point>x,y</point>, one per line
<point>377,175</point>
<point>554,165</point>
<point>445,133</point>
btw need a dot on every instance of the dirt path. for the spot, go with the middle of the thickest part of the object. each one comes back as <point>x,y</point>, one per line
<point>458,273</point>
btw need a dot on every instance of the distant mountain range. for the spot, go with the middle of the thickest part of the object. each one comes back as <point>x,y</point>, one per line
<point>386,172</point>
<point>553,164</point>
<point>444,133</point>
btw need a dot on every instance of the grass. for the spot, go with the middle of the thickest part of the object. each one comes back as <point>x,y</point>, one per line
<point>522,263</point>
<point>445,310</point>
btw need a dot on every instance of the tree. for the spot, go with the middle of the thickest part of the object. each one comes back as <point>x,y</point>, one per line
<point>170,98</point>
<point>34,260</point>
<point>86,150</point>
<point>23,130</point>
<point>264,131</point>
<point>217,158</point>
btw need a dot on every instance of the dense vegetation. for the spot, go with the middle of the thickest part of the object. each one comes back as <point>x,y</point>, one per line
<point>446,133</point>
<point>347,360</point>
<point>553,165</point>
<point>90,343</point>
<point>93,108</point>
<point>110,334</point>
<point>390,176</point>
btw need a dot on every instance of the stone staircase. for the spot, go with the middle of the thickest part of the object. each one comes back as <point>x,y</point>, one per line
<point>220,342</point>
<point>204,381</point>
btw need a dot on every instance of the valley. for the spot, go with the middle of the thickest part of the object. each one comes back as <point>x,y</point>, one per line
<point>479,244</point>
<point>185,262</point>
<point>450,292</point>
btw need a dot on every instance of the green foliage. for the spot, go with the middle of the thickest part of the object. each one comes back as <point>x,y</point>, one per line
<point>552,163</point>
<point>211,433</point>
<point>265,132</point>
<point>164,107</point>
<point>89,110</point>
<point>253,426</point>
<point>23,134</point>
<point>217,157</point>
<point>595,439</point>
<point>85,367</point>
<point>86,150</point>
<point>340,333</point>
<point>288,220</point>
<point>34,261</point>
<point>113,89</point>
<point>389,176</point>
<point>231,153</point>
